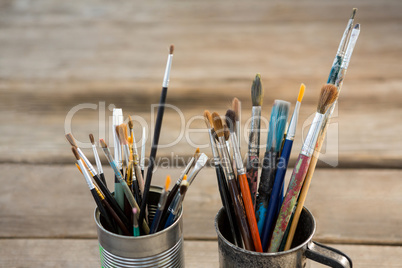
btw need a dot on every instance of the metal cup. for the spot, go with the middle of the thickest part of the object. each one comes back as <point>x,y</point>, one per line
<point>161,249</point>
<point>303,248</point>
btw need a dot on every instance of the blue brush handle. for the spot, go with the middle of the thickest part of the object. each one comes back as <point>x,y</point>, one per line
<point>170,220</point>
<point>273,204</point>
<point>156,220</point>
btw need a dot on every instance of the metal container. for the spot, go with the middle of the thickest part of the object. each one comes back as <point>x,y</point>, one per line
<point>161,249</point>
<point>303,248</point>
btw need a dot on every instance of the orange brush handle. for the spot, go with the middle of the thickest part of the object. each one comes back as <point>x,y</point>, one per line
<point>248,204</point>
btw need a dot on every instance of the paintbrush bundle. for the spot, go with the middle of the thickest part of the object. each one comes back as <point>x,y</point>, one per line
<point>262,216</point>
<point>127,210</point>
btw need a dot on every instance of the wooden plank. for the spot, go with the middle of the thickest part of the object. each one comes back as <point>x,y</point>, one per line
<point>65,253</point>
<point>350,206</point>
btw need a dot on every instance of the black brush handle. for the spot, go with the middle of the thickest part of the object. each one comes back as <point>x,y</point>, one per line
<point>136,191</point>
<point>102,177</point>
<point>224,193</point>
<point>169,200</point>
<point>116,218</point>
<point>110,199</point>
<point>155,141</point>
<point>110,224</point>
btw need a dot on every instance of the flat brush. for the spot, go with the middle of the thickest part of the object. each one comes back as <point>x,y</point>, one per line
<point>242,178</point>
<point>237,202</point>
<point>336,65</point>
<point>155,141</point>
<point>328,95</point>
<point>275,199</point>
<point>102,210</point>
<point>177,202</point>
<point>222,185</point>
<point>195,157</point>
<point>202,160</point>
<point>97,159</point>
<point>121,180</point>
<point>137,169</point>
<point>300,203</point>
<point>112,201</point>
<point>161,206</point>
<point>277,124</point>
<point>257,96</point>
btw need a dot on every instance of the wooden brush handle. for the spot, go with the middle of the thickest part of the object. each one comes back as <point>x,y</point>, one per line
<point>295,184</point>
<point>240,215</point>
<point>248,204</point>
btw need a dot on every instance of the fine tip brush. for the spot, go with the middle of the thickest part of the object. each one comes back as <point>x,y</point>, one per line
<point>232,184</point>
<point>275,198</point>
<point>161,206</point>
<point>257,96</point>
<point>328,95</point>
<point>97,159</point>
<point>155,141</point>
<point>277,124</point>
<point>222,185</point>
<point>134,151</point>
<point>242,178</point>
<point>236,106</point>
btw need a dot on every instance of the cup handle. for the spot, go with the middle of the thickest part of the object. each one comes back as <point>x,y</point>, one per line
<point>327,255</point>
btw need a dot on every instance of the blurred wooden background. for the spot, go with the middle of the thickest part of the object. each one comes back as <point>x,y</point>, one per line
<point>56,56</point>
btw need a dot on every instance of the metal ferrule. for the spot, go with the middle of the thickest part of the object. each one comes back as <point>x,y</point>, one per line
<point>225,159</point>
<point>215,153</point>
<point>167,71</point>
<point>85,159</point>
<point>293,123</point>
<point>86,175</point>
<point>312,135</point>
<point>341,48</point>
<point>162,200</point>
<point>97,159</point>
<point>351,45</point>
<point>197,167</point>
<point>238,133</point>
<point>253,145</point>
<point>236,153</point>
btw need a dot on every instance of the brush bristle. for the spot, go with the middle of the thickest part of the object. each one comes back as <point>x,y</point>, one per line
<point>171,49</point>
<point>167,182</point>
<point>277,124</point>
<point>122,133</point>
<point>257,93</point>
<point>91,138</point>
<point>357,26</point>
<point>130,122</point>
<point>329,94</point>
<point>75,152</point>
<point>226,132</point>
<point>208,119</point>
<point>353,13</point>
<point>71,140</point>
<point>301,92</point>
<point>218,126</point>
<point>102,143</point>
<point>236,106</point>
<point>231,120</point>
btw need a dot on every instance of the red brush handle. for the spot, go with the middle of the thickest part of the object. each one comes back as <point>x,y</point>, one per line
<point>248,204</point>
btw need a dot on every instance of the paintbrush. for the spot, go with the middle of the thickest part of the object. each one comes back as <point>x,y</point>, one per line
<point>123,140</point>
<point>257,96</point>
<point>242,178</point>
<point>339,82</point>
<point>222,185</point>
<point>121,180</point>
<point>336,65</point>
<point>136,229</point>
<point>275,198</point>
<point>99,182</point>
<point>137,169</point>
<point>236,106</point>
<point>142,161</point>
<point>232,184</point>
<point>161,206</point>
<point>97,159</point>
<point>158,125</point>
<point>328,95</point>
<point>109,223</point>
<point>118,190</point>
<point>277,124</point>
<point>202,160</point>
<point>177,202</point>
<point>195,158</point>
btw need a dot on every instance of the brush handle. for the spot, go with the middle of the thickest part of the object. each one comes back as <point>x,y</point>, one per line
<point>248,205</point>
<point>169,200</point>
<point>154,148</point>
<point>275,202</point>
<point>156,221</point>
<point>252,175</point>
<point>136,191</point>
<point>102,177</point>
<point>265,188</point>
<point>336,66</point>
<point>118,193</point>
<point>295,184</point>
<point>224,193</point>
<point>240,215</point>
<point>109,222</point>
<point>117,219</point>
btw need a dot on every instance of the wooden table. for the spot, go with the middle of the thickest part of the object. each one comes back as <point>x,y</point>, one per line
<point>57,55</point>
